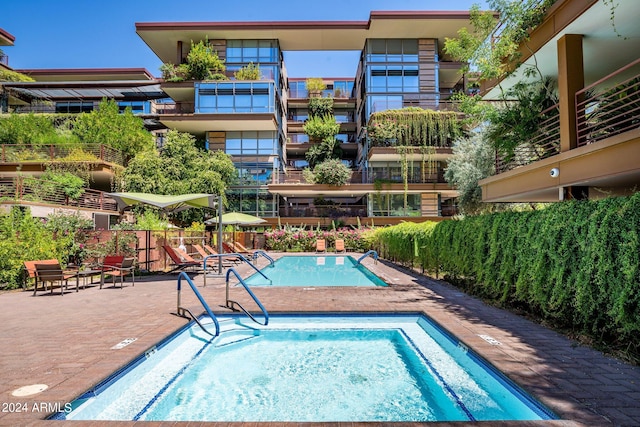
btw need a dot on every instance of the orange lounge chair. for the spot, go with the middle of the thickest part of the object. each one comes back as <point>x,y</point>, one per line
<point>321,245</point>
<point>211,261</point>
<point>340,245</point>
<point>234,259</point>
<point>181,260</point>
<point>240,248</point>
<point>228,248</point>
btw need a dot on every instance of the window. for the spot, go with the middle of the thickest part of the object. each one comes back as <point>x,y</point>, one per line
<point>393,78</point>
<point>392,50</point>
<point>255,51</point>
<point>251,143</point>
<point>235,97</point>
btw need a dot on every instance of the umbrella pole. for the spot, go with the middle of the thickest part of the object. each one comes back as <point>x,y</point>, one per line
<point>220,252</point>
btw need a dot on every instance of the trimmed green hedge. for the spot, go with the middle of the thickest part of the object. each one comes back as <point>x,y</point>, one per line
<point>574,264</point>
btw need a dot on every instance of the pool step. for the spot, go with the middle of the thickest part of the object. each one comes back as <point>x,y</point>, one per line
<point>234,337</point>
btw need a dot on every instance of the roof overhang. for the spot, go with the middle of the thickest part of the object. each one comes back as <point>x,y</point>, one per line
<point>163,37</point>
<point>87,74</point>
<point>201,123</point>
<point>6,39</point>
<point>83,90</point>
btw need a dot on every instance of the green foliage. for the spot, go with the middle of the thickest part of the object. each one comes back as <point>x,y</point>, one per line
<point>203,61</point>
<point>320,127</point>
<point>174,73</point>
<point>295,240</point>
<point>516,122</point>
<point>331,172</point>
<point>35,129</point>
<point>14,76</point>
<point>329,148</point>
<point>413,127</point>
<point>70,184</point>
<point>491,49</point>
<point>248,72</point>
<point>314,85</point>
<point>106,125</point>
<point>180,168</point>
<point>320,107</point>
<point>574,264</point>
<point>150,220</point>
<point>472,160</point>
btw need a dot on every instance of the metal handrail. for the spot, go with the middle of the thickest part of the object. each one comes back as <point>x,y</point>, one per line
<point>234,255</point>
<point>371,252</point>
<point>255,299</point>
<point>256,254</point>
<point>181,310</point>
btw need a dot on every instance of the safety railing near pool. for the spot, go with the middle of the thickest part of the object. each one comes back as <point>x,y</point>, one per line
<point>256,254</point>
<point>230,304</point>
<point>182,310</point>
<point>233,255</point>
<point>372,253</point>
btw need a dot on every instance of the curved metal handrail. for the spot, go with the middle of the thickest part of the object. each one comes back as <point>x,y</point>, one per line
<point>181,310</point>
<point>371,252</point>
<point>264,254</point>
<point>255,298</point>
<point>235,255</point>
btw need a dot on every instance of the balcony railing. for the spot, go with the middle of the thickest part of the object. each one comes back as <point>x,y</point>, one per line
<point>296,177</point>
<point>336,211</point>
<point>36,191</point>
<point>542,144</point>
<point>34,153</point>
<point>426,104</point>
<point>4,59</point>
<point>416,177</point>
<point>610,106</point>
<point>178,108</point>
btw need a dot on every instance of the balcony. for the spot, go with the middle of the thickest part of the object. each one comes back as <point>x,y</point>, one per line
<point>4,60</point>
<point>35,153</point>
<point>333,211</point>
<point>33,191</point>
<point>296,177</point>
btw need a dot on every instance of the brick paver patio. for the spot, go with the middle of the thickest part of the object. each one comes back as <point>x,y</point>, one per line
<point>66,343</point>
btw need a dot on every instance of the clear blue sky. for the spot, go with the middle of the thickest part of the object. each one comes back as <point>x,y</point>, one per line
<point>101,33</point>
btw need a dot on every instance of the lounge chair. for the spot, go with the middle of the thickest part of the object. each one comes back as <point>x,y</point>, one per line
<point>321,245</point>
<point>233,259</point>
<point>181,260</point>
<point>52,273</point>
<point>126,267</point>
<point>211,261</point>
<point>340,245</point>
<point>241,249</point>
<point>228,248</point>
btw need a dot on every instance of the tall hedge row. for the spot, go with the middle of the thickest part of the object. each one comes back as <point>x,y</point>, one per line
<point>575,264</point>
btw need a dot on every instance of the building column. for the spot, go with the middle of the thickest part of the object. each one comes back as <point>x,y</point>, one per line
<point>570,80</point>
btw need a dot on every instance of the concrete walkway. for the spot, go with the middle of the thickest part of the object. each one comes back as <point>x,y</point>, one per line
<point>66,342</point>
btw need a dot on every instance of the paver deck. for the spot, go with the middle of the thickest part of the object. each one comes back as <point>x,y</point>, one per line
<point>66,343</point>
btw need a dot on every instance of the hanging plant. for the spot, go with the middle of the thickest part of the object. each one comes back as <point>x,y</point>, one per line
<point>414,127</point>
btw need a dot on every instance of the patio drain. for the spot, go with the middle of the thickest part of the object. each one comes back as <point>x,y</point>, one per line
<point>29,390</point>
<point>490,340</point>
<point>123,343</point>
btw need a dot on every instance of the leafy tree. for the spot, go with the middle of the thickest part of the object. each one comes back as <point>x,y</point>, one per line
<point>35,129</point>
<point>204,63</point>
<point>180,168</point>
<point>472,160</point>
<point>331,172</point>
<point>14,76</point>
<point>248,72</point>
<point>106,125</point>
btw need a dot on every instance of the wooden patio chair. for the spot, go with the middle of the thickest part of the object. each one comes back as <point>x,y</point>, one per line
<point>181,260</point>
<point>30,271</point>
<point>127,267</point>
<point>52,274</point>
<point>108,264</point>
<point>340,245</point>
<point>321,245</point>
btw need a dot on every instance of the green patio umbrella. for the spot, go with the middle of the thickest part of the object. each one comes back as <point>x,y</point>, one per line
<point>168,203</point>
<point>235,219</point>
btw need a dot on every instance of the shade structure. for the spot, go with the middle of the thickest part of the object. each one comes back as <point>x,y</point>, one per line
<point>236,218</point>
<point>168,203</point>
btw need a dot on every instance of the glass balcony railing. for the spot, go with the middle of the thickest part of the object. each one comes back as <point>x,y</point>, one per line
<point>235,97</point>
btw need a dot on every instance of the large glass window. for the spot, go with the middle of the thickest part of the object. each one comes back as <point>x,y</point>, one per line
<point>385,204</point>
<point>393,78</point>
<point>392,50</point>
<point>251,143</point>
<point>235,97</point>
<point>252,51</point>
<point>252,201</point>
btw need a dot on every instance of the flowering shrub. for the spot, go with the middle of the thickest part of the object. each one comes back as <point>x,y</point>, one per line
<point>305,240</point>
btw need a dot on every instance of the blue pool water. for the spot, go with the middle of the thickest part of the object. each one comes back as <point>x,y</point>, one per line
<point>311,271</point>
<point>311,368</point>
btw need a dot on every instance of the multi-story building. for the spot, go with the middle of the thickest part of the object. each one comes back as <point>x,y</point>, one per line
<point>260,123</point>
<point>589,146</point>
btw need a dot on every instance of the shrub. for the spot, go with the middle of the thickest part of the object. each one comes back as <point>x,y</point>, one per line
<point>248,72</point>
<point>331,172</point>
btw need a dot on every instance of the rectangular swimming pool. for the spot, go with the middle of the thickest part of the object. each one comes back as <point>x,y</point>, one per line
<point>312,271</point>
<point>314,368</point>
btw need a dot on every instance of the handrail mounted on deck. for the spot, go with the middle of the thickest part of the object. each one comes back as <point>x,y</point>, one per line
<point>181,310</point>
<point>230,304</point>
<point>371,252</point>
<point>234,255</point>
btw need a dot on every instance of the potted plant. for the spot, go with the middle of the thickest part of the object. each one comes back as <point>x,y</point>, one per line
<point>315,86</point>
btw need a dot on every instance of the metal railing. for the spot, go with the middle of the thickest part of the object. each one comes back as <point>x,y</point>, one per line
<point>415,177</point>
<point>297,177</point>
<point>610,106</point>
<point>229,255</point>
<point>372,253</point>
<point>180,311</point>
<point>336,211</point>
<point>37,191</point>
<point>545,142</point>
<point>34,153</point>
<point>231,304</point>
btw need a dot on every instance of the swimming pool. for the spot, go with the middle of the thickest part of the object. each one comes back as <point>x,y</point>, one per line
<point>312,271</point>
<point>353,367</point>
